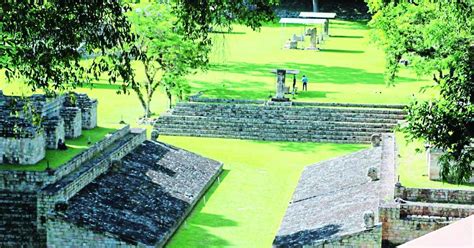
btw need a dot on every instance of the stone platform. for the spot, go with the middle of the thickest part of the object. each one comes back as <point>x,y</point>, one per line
<point>334,198</point>
<point>141,200</point>
<point>296,122</point>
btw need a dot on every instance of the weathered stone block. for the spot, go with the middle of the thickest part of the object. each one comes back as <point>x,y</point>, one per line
<point>72,121</point>
<point>54,130</point>
<point>22,150</point>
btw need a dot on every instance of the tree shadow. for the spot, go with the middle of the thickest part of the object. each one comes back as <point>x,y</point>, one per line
<point>340,51</point>
<point>228,32</point>
<point>192,227</point>
<point>259,89</point>
<point>347,36</point>
<point>310,147</point>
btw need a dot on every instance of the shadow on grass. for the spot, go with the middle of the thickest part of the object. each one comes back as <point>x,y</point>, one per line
<point>232,87</point>
<point>227,32</point>
<point>359,25</point>
<point>340,51</point>
<point>192,228</point>
<point>311,147</point>
<point>347,36</point>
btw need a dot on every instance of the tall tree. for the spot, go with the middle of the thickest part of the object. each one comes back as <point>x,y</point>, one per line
<point>315,5</point>
<point>437,39</point>
<point>40,41</point>
<point>165,52</point>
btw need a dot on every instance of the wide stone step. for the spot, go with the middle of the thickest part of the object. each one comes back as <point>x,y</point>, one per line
<point>322,139</point>
<point>268,128</point>
<point>299,112</point>
<point>259,135</point>
<point>359,118</point>
<point>266,132</point>
<point>253,121</point>
<point>289,119</point>
<point>198,106</point>
<point>290,124</point>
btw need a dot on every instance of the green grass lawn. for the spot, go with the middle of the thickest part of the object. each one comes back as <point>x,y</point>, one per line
<point>347,69</point>
<point>246,208</point>
<point>56,158</point>
<point>413,167</point>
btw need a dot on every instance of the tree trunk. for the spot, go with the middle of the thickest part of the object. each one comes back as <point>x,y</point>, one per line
<point>315,6</point>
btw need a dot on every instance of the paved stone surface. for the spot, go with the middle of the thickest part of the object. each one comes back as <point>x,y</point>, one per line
<point>332,197</point>
<point>145,198</point>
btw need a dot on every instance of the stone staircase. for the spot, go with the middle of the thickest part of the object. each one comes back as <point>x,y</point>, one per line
<point>279,123</point>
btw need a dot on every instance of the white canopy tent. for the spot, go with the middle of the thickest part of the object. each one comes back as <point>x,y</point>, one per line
<point>320,15</point>
<point>302,21</point>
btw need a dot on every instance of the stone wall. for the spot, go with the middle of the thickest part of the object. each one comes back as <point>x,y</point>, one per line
<point>435,195</point>
<point>72,121</point>
<point>31,181</point>
<point>370,238</point>
<point>433,155</point>
<point>24,213</point>
<point>278,123</point>
<point>22,150</point>
<point>402,223</point>
<point>67,187</point>
<point>61,234</point>
<point>18,220</point>
<point>54,130</point>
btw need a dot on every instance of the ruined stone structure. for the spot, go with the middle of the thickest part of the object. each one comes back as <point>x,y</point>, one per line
<point>123,191</point>
<point>432,159</point>
<point>337,123</point>
<point>336,202</point>
<point>353,201</point>
<point>417,212</point>
<point>24,142</point>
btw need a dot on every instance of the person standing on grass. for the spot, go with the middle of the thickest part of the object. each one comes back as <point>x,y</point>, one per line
<point>294,84</point>
<point>305,83</point>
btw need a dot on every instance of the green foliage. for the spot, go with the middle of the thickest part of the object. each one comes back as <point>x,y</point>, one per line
<point>436,38</point>
<point>164,50</point>
<point>42,41</point>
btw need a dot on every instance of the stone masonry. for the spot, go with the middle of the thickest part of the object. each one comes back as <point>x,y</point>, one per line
<point>23,139</point>
<point>299,122</point>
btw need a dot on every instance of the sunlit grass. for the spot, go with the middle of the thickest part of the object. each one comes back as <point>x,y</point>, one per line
<point>413,167</point>
<point>245,209</point>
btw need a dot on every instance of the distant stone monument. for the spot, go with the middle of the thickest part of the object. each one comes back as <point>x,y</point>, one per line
<point>313,40</point>
<point>281,89</point>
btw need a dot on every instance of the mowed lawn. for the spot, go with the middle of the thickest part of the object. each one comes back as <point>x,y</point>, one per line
<point>246,208</point>
<point>347,69</point>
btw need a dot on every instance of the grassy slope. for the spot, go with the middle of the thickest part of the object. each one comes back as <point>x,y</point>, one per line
<point>246,208</point>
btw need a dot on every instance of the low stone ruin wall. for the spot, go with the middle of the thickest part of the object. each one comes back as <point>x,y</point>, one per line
<point>67,187</point>
<point>60,232</point>
<point>18,219</point>
<point>72,122</point>
<point>31,181</point>
<point>23,150</point>
<point>370,238</point>
<point>435,195</point>
<point>404,222</point>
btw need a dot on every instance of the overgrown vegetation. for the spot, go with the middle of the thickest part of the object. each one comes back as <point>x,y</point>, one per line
<point>436,38</point>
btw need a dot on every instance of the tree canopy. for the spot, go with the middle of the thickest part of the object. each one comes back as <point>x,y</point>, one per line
<point>42,41</point>
<point>437,39</point>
